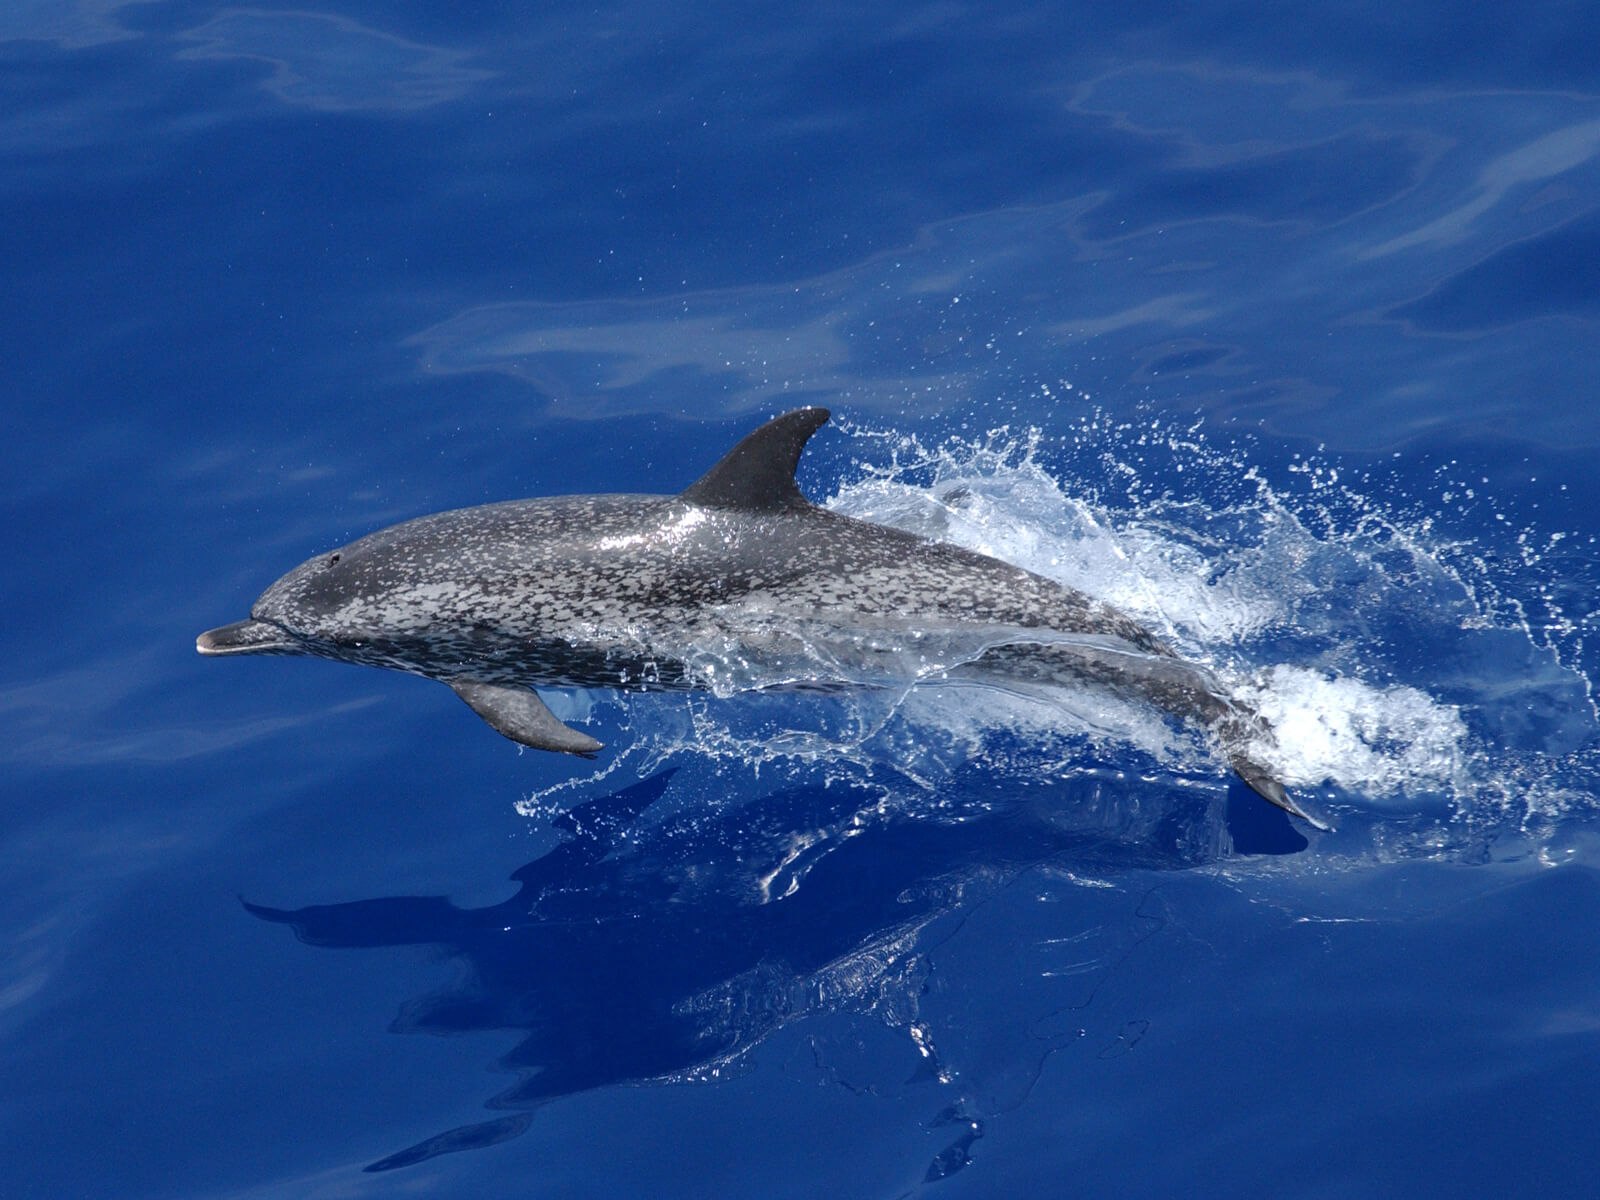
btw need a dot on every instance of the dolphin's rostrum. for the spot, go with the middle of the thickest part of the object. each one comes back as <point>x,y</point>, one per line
<point>739,575</point>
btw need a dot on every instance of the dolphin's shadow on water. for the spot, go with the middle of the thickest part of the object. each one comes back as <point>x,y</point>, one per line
<point>633,959</point>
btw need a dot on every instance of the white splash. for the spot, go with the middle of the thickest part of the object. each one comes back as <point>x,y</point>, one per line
<point>1377,742</point>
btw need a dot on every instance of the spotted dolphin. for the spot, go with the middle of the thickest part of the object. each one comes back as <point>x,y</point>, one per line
<point>737,577</point>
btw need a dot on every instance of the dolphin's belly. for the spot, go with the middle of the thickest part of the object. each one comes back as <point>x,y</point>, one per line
<point>508,657</point>
<point>743,646</point>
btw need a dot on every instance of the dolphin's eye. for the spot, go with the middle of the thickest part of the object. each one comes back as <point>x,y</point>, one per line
<point>333,558</point>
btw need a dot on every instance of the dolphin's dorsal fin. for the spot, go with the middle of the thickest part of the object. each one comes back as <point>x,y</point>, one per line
<point>758,473</point>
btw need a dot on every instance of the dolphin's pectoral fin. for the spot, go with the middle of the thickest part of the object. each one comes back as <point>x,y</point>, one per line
<point>520,715</point>
<point>1270,790</point>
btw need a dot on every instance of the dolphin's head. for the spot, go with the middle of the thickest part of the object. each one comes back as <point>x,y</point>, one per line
<point>333,605</point>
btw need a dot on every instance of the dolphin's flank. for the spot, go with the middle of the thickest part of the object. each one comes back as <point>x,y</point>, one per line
<point>626,591</point>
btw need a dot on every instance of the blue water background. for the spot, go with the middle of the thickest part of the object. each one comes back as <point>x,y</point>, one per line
<point>272,277</point>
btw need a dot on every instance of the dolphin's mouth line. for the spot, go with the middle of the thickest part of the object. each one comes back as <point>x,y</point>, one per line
<point>253,636</point>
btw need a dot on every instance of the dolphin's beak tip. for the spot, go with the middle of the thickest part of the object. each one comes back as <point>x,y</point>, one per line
<point>244,637</point>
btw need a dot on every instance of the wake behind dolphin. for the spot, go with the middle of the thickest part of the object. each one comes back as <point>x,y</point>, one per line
<point>628,591</point>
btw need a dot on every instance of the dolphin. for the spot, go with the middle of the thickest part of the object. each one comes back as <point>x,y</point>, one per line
<point>737,578</point>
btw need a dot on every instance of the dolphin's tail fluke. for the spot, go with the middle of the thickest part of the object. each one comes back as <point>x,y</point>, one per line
<point>1269,789</point>
<point>1236,731</point>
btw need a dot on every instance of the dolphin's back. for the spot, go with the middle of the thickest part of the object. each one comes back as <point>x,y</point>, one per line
<point>611,562</point>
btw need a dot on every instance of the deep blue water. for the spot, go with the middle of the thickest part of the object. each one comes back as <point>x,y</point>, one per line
<point>1277,325</point>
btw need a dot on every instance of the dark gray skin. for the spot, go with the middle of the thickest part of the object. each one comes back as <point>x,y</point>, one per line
<point>738,578</point>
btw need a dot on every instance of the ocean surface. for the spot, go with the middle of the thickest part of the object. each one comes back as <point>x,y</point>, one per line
<point>1277,326</point>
